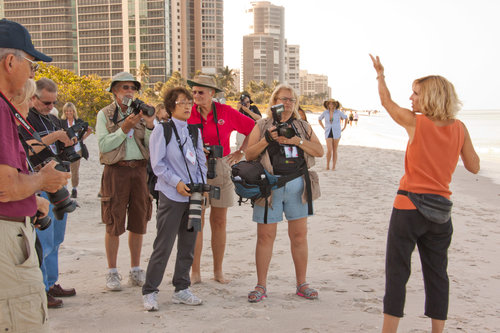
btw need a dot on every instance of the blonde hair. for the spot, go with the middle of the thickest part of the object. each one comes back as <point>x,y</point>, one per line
<point>71,106</point>
<point>274,100</point>
<point>437,97</point>
<point>26,94</point>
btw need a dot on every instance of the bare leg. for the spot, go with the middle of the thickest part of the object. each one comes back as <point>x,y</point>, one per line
<point>111,243</point>
<point>266,234</point>
<point>135,246</point>
<point>390,324</point>
<point>329,147</point>
<point>196,267</point>
<point>334,152</point>
<point>297,232</point>
<point>437,325</point>
<point>218,218</point>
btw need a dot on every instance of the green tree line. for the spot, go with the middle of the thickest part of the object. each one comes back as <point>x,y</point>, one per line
<point>89,94</point>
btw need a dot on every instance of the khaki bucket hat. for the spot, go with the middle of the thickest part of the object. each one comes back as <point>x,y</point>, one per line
<point>123,77</point>
<point>203,81</point>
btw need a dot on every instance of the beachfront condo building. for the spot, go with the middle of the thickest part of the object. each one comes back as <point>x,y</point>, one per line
<point>292,74</point>
<point>314,85</point>
<point>105,37</point>
<point>264,47</point>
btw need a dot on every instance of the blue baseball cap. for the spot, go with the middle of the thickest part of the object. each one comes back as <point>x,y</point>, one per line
<point>14,36</point>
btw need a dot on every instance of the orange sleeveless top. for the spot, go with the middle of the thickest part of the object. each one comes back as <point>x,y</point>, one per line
<point>430,160</point>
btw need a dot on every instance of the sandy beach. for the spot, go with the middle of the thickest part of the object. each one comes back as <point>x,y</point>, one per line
<point>347,239</point>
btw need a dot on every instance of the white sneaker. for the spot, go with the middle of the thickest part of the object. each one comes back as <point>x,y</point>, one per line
<point>113,281</point>
<point>150,302</point>
<point>137,278</point>
<point>186,297</point>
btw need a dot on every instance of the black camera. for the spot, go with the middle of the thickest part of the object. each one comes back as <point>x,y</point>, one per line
<point>60,199</point>
<point>135,106</point>
<point>195,200</point>
<point>42,222</point>
<point>242,98</point>
<point>214,152</point>
<point>283,128</point>
<point>69,153</point>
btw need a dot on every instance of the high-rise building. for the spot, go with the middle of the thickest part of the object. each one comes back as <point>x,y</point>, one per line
<point>293,67</point>
<point>264,47</point>
<point>314,84</point>
<point>105,37</point>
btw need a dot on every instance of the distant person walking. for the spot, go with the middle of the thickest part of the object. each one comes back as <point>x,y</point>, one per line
<point>332,116</point>
<point>356,117</point>
<point>436,140</point>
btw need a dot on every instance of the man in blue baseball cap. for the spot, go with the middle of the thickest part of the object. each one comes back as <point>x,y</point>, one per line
<point>23,301</point>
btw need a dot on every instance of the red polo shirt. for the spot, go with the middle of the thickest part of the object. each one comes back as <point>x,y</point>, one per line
<point>229,120</point>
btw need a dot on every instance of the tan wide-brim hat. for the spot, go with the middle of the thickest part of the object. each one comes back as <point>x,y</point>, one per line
<point>123,77</point>
<point>202,80</point>
<point>325,104</point>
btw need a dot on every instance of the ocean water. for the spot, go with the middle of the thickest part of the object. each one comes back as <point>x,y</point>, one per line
<point>381,131</point>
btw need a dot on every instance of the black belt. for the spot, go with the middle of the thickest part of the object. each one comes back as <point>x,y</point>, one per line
<point>13,218</point>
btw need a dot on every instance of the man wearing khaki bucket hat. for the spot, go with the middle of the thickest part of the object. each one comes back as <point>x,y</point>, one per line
<point>217,122</point>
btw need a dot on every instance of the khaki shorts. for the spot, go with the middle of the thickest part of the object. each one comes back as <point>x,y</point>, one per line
<point>23,302</point>
<point>223,180</point>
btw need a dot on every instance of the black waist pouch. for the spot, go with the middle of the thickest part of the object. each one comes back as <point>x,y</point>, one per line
<point>433,207</point>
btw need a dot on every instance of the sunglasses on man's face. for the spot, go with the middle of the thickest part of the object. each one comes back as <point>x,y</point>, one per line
<point>46,103</point>
<point>127,87</point>
<point>199,92</point>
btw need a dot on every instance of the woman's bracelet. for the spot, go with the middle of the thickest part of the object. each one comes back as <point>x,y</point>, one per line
<point>380,76</point>
<point>268,137</point>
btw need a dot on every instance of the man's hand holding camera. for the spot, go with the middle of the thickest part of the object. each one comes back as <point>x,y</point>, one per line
<point>52,179</point>
<point>134,118</point>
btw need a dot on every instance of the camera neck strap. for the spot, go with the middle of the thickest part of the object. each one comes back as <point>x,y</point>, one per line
<point>216,121</point>
<point>174,128</point>
<point>24,123</point>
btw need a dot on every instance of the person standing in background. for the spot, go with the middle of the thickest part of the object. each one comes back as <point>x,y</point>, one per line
<point>68,119</point>
<point>333,117</point>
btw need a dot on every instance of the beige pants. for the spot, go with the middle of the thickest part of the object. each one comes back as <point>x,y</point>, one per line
<point>223,180</point>
<point>23,302</point>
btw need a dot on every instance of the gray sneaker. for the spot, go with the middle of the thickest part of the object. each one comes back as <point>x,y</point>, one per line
<point>113,281</point>
<point>186,297</point>
<point>150,301</point>
<point>137,278</point>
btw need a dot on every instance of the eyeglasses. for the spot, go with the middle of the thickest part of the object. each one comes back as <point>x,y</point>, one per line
<point>199,92</point>
<point>184,103</point>
<point>46,103</point>
<point>34,65</point>
<point>286,99</point>
<point>127,87</point>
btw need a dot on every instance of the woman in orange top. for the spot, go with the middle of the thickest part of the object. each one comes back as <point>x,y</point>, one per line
<point>436,140</point>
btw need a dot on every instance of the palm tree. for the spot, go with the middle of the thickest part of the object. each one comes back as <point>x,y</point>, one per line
<point>225,79</point>
<point>143,73</point>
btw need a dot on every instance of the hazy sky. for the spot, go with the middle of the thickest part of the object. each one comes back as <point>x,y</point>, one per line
<point>459,39</point>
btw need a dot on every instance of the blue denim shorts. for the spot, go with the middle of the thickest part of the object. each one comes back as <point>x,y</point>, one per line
<point>286,199</point>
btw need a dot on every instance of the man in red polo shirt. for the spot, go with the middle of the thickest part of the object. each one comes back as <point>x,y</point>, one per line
<point>217,122</point>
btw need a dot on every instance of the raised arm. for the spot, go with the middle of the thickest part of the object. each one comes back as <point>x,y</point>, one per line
<point>401,116</point>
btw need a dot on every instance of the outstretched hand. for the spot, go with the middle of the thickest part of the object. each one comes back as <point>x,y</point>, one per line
<point>377,65</point>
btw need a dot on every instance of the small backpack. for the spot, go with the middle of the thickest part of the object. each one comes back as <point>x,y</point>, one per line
<point>252,181</point>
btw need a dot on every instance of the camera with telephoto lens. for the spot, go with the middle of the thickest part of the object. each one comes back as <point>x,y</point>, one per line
<point>214,152</point>
<point>135,106</point>
<point>195,200</point>
<point>60,199</point>
<point>283,128</point>
<point>69,153</point>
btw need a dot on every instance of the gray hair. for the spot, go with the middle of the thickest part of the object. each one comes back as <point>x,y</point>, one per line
<point>5,51</point>
<point>45,84</point>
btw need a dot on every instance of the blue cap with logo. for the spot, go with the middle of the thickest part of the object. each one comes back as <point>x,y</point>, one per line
<point>14,36</point>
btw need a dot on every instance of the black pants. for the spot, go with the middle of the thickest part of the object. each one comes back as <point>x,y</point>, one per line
<point>407,228</point>
<point>171,222</point>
